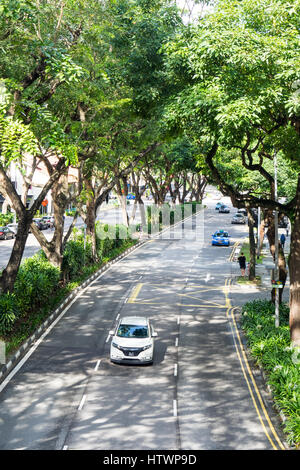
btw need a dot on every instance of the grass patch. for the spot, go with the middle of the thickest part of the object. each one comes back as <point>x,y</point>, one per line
<point>244,280</point>
<point>245,248</point>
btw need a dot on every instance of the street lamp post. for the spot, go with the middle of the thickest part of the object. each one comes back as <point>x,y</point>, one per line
<point>276,245</point>
<point>258,232</point>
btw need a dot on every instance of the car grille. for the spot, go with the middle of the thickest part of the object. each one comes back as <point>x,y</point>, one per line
<point>131,351</point>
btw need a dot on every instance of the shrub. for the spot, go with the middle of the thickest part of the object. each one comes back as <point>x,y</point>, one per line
<point>104,247</point>
<point>36,280</point>
<point>6,219</point>
<point>70,212</point>
<point>75,256</point>
<point>272,349</point>
<point>122,234</point>
<point>9,312</point>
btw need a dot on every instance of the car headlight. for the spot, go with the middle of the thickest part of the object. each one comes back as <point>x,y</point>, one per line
<point>115,345</point>
<point>147,347</point>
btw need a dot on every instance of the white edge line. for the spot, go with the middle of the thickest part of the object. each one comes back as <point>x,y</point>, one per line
<point>175,370</point>
<point>81,402</point>
<point>97,365</point>
<point>33,348</point>
<point>174,408</point>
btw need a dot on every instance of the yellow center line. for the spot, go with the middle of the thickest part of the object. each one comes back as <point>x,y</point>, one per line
<point>233,251</point>
<point>135,293</point>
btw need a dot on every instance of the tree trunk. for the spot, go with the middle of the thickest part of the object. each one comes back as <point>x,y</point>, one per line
<point>294,268</point>
<point>281,258</point>
<point>9,274</point>
<point>25,216</point>
<point>53,248</point>
<point>90,219</point>
<point>122,193</point>
<point>185,191</point>
<point>201,186</point>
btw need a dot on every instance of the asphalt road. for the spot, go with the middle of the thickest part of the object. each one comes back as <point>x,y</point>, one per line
<point>198,394</point>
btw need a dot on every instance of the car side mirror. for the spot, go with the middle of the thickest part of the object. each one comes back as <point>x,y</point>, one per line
<point>154,334</point>
<point>111,332</point>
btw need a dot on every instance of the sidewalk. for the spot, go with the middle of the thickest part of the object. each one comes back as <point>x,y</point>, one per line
<point>263,271</point>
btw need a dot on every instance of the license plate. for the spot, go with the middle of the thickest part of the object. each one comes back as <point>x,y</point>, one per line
<point>130,353</point>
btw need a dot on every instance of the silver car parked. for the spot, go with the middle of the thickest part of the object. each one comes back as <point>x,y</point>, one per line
<point>238,219</point>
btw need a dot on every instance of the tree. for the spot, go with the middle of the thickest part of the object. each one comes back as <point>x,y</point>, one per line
<point>36,57</point>
<point>236,73</point>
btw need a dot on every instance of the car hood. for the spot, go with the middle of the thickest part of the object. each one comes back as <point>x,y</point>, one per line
<point>131,342</point>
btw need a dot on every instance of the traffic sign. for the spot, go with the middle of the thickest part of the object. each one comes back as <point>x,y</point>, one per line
<point>277,284</point>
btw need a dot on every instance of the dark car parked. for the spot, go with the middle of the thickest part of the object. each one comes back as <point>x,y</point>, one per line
<point>6,233</point>
<point>224,209</point>
<point>41,224</point>
<point>242,211</point>
<point>49,219</point>
<point>283,222</point>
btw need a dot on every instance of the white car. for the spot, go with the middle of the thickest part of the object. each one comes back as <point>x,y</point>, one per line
<point>132,341</point>
<point>13,227</point>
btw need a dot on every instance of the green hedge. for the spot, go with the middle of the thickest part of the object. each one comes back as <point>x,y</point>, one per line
<point>9,312</point>
<point>272,350</point>
<point>75,257</point>
<point>36,280</point>
<point>6,219</point>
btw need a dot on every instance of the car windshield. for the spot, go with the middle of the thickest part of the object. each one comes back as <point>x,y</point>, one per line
<point>133,331</point>
<point>221,234</point>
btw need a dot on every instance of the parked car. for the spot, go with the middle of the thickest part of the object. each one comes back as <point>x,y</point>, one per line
<point>6,233</point>
<point>131,196</point>
<point>242,211</point>
<point>49,219</point>
<point>238,218</point>
<point>224,209</point>
<point>283,222</point>
<point>132,341</point>
<point>13,227</point>
<point>221,238</point>
<point>41,224</point>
